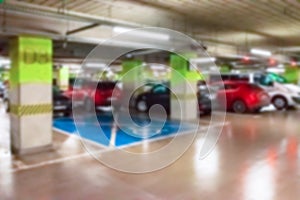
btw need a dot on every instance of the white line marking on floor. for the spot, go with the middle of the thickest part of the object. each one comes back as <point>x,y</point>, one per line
<point>106,149</point>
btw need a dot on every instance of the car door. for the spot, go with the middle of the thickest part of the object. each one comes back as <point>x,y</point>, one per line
<point>230,93</point>
<point>160,95</point>
<point>225,94</point>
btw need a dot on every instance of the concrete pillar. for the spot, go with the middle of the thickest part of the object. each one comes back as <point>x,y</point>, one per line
<point>62,77</point>
<point>184,103</point>
<point>131,78</point>
<point>31,94</point>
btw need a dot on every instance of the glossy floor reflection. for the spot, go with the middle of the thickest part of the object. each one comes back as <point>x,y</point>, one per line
<point>256,158</point>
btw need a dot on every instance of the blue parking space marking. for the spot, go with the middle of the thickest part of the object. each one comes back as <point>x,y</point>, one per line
<point>101,131</point>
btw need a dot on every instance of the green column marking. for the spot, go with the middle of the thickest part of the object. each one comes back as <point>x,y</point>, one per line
<point>291,74</point>
<point>63,76</point>
<point>184,71</point>
<point>31,60</point>
<point>130,64</point>
<point>134,69</point>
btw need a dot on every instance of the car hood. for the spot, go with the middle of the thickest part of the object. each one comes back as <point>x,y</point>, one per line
<point>61,98</point>
<point>293,87</point>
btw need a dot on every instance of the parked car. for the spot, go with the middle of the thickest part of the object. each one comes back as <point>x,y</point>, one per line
<point>92,94</point>
<point>240,96</point>
<point>282,94</point>
<point>160,94</point>
<point>6,99</point>
<point>2,89</point>
<point>61,103</point>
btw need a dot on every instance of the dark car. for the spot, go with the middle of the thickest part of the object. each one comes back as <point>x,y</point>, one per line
<point>61,103</point>
<point>160,94</point>
<point>6,99</point>
<point>2,90</point>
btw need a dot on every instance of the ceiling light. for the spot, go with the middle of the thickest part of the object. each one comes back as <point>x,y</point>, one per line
<point>141,33</point>
<point>202,60</point>
<point>261,52</point>
<point>119,29</point>
<point>275,70</point>
<point>95,65</point>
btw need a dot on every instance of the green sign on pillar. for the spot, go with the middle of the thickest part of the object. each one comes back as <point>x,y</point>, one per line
<point>181,64</point>
<point>291,74</point>
<point>130,64</point>
<point>31,60</point>
<point>132,71</point>
<point>63,77</point>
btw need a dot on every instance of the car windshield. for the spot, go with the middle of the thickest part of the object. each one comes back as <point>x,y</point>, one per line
<point>159,89</point>
<point>263,79</point>
<point>254,86</point>
<point>277,78</point>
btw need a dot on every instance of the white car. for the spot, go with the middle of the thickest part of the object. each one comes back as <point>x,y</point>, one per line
<point>283,95</point>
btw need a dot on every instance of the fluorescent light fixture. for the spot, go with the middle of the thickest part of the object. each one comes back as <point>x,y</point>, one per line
<point>202,60</point>
<point>276,70</point>
<point>291,49</point>
<point>119,29</point>
<point>73,66</point>
<point>95,65</point>
<point>141,33</point>
<point>261,52</point>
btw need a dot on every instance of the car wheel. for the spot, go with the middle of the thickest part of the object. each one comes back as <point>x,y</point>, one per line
<point>239,106</point>
<point>280,103</point>
<point>88,105</point>
<point>141,106</point>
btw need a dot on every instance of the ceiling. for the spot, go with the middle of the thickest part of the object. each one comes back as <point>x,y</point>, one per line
<point>221,24</point>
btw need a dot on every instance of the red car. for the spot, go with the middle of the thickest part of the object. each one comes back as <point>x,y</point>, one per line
<point>241,96</point>
<point>94,94</point>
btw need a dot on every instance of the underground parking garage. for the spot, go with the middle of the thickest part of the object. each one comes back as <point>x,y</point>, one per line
<point>151,99</point>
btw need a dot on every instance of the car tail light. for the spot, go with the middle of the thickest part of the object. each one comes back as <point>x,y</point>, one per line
<point>97,96</point>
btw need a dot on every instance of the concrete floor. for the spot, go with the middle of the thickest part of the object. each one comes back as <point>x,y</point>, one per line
<point>257,157</point>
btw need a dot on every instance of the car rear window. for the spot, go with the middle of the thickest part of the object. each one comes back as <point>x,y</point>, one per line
<point>106,85</point>
<point>255,87</point>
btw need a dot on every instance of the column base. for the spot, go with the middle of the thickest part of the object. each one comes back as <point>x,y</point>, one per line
<point>33,150</point>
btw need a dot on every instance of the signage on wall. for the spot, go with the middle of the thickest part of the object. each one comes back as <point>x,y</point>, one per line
<point>31,60</point>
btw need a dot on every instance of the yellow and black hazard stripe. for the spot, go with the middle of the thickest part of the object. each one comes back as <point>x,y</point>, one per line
<point>22,110</point>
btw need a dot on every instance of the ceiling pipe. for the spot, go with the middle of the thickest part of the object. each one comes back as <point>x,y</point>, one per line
<point>83,28</point>
<point>39,11</point>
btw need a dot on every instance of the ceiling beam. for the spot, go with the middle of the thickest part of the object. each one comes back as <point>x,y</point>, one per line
<point>83,28</point>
